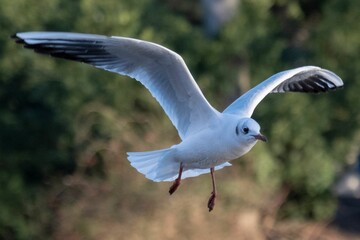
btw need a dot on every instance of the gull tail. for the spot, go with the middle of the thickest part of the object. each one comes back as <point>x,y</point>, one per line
<point>159,165</point>
<point>155,165</point>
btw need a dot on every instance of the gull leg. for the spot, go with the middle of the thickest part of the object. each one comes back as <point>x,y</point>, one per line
<point>211,202</point>
<point>177,181</point>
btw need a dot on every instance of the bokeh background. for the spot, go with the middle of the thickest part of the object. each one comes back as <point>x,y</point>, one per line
<point>65,127</point>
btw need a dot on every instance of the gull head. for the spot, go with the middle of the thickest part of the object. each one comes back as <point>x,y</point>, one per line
<point>249,130</point>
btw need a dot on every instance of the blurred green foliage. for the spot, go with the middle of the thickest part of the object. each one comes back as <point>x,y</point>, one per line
<point>53,113</point>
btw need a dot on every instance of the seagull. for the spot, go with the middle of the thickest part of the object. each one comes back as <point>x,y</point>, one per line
<point>209,138</point>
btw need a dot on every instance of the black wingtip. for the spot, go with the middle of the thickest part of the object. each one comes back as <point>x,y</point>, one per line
<point>17,39</point>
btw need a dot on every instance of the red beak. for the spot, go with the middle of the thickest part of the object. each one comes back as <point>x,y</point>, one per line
<point>260,137</point>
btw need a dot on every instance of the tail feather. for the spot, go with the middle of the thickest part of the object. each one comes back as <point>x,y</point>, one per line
<point>154,164</point>
<point>158,166</point>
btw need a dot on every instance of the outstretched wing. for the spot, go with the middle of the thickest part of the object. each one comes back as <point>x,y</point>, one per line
<point>307,79</point>
<point>160,70</point>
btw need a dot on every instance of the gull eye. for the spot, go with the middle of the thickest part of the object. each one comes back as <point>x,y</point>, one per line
<point>245,130</point>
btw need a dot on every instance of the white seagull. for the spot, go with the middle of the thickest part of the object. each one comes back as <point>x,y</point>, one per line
<point>210,139</point>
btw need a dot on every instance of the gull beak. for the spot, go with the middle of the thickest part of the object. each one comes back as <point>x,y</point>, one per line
<point>260,137</point>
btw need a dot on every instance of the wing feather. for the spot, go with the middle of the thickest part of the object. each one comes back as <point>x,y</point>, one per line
<point>160,70</point>
<point>308,79</point>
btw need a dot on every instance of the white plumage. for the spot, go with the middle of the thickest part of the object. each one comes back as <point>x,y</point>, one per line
<point>210,139</point>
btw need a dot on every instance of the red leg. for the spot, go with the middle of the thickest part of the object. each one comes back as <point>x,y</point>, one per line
<point>211,202</point>
<point>176,184</point>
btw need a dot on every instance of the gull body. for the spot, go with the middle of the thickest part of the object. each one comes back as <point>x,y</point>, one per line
<point>206,149</point>
<point>209,138</point>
